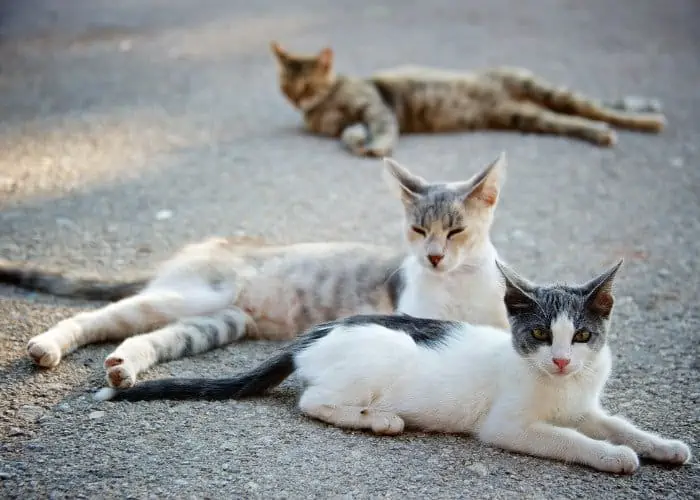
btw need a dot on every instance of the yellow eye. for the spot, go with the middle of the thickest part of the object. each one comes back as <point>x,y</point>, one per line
<point>582,336</point>
<point>540,334</point>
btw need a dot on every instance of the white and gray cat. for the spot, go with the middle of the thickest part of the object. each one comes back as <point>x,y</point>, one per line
<point>213,293</point>
<point>536,391</point>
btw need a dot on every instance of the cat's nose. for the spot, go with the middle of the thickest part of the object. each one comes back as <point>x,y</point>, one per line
<point>435,259</point>
<point>561,362</point>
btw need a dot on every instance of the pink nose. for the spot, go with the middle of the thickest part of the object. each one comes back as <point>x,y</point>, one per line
<point>435,259</point>
<point>561,362</point>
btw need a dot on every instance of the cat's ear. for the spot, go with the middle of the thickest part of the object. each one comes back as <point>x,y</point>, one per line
<point>517,296</point>
<point>279,52</point>
<point>483,189</point>
<point>408,186</point>
<point>325,59</point>
<point>599,296</point>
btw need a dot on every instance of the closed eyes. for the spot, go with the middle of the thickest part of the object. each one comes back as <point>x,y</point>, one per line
<point>418,230</point>
<point>454,232</point>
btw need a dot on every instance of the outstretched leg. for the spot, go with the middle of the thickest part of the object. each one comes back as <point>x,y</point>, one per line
<point>523,84</point>
<point>600,425</point>
<point>315,405</point>
<point>527,117</point>
<point>189,336</point>
<point>150,309</point>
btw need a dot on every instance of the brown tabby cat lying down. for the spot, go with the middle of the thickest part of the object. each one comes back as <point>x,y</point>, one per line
<point>368,114</point>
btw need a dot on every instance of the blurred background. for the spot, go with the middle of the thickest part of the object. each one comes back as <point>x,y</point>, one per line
<point>130,128</point>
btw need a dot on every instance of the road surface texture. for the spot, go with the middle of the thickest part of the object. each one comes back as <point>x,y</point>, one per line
<point>130,128</point>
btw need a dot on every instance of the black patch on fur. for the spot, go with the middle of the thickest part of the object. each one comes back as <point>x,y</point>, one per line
<point>255,382</point>
<point>425,332</point>
<point>58,284</point>
<point>385,93</point>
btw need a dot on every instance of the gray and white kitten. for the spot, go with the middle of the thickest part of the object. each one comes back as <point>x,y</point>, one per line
<point>535,391</point>
<point>216,292</point>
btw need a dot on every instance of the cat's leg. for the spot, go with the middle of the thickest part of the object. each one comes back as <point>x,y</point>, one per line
<point>186,337</point>
<point>600,425</point>
<point>545,440</point>
<point>524,84</point>
<point>355,137</point>
<point>142,312</point>
<point>324,406</point>
<point>527,117</point>
<point>382,130</point>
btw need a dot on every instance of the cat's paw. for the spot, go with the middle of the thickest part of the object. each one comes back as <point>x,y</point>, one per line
<point>388,424</point>
<point>119,374</point>
<point>44,352</point>
<point>618,460</point>
<point>607,138</point>
<point>354,136</point>
<point>670,451</point>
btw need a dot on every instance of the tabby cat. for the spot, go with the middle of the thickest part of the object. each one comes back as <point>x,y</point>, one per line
<point>535,391</point>
<point>368,114</point>
<point>216,292</point>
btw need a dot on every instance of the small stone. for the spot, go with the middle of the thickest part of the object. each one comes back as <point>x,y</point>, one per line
<point>252,485</point>
<point>15,431</point>
<point>181,482</point>
<point>96,414</point>
<point>5,475</point>
<point>125,45</point>
<point>677,162</point>
<point>478,468</point>
<point>30,413</point>
<point>164,214</point>
<point>664,273</point>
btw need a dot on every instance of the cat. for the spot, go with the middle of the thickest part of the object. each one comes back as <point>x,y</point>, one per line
<point>216,292</point>
<point>368,114</point>
<point>534,391</point>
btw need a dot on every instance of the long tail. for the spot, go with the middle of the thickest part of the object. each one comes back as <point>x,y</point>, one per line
<point>269,374</point>
<point>58,283</point>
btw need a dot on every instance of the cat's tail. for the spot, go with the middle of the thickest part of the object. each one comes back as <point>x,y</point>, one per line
<point>60,284</point>
<point>268,375</point>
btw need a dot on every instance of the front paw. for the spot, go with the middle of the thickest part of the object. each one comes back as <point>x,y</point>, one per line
<point>618,460</point>
<point>670,451</point>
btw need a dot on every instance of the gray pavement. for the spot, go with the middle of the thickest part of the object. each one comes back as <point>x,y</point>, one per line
<point>116,115</point>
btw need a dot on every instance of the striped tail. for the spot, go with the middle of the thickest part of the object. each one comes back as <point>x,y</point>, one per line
<point>59,284</point>
<point>268,375</point>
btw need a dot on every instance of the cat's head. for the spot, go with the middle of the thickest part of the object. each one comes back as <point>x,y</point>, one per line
<point>559,329</point>
<point>304,78</point>
<point>447,224</point>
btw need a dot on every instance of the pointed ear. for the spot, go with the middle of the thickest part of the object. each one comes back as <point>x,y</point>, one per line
<point>278,51</point>
<point>325,58</point>
<point>518,296</point>
<point>599,296</point>
<point>483,189</point>
<point>408,186</point>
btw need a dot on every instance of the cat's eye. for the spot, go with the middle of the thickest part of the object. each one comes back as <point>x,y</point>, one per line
<point>541,335</point>
<point>582,336</point>
<point>418,230</point>
<point>454,232</point>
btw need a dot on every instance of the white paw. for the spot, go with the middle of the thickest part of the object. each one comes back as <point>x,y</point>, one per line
<point>119,373</point>
<point>44,352</point>
<point>387,424</point>
<point>618,460</point>
<point>670,451</point>
<point>354,136</point>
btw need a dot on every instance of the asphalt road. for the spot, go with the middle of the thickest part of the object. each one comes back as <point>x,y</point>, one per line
<point>130,128</point>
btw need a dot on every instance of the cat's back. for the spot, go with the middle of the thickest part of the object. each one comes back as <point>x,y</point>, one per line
<point>412,72</point>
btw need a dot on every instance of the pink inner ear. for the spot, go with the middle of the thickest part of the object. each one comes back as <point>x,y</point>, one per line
<point>488,196</point>
<point>326,57</point>
<point>604,301</point>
